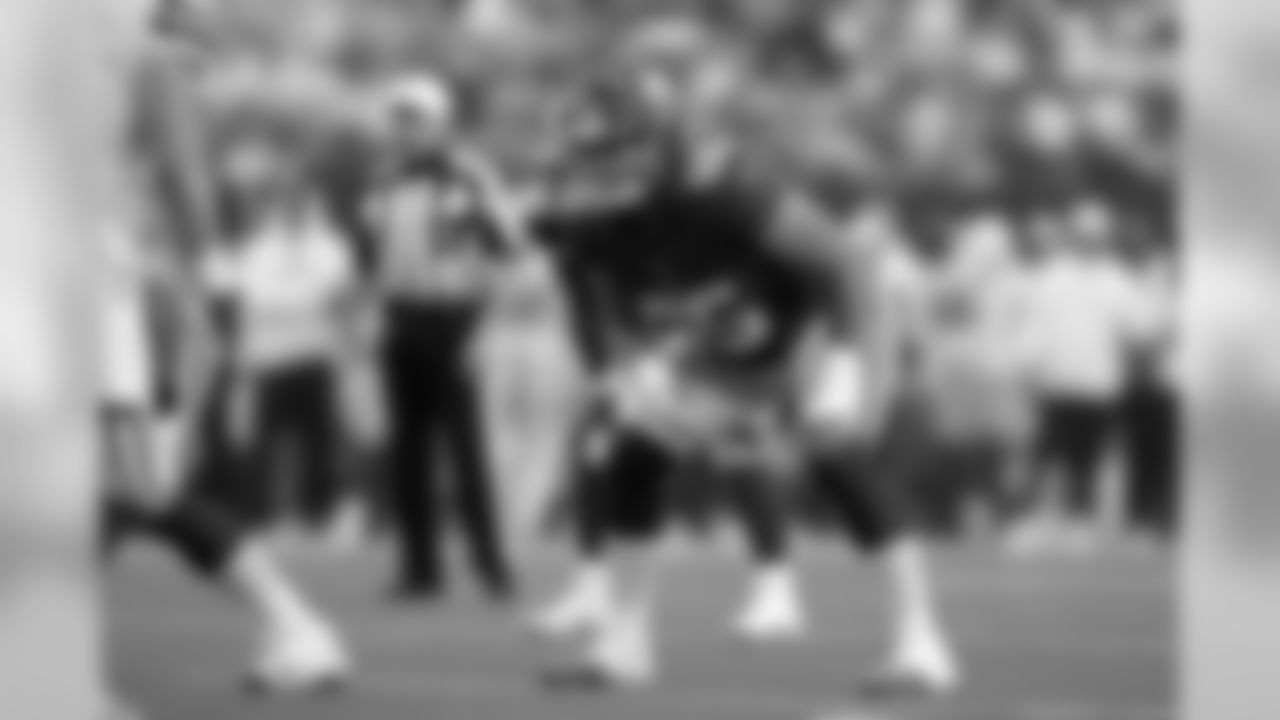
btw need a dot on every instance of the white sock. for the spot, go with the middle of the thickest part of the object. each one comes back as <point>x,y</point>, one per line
<point>772,591</point>
<point>625,646</point>
<point>774,609</point>
<point>281,609</point>
<point>592,590</point>
<point>638,579</point>
<point>917,628</point>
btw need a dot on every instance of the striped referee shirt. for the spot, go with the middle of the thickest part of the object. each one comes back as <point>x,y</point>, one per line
<point>433,244</point>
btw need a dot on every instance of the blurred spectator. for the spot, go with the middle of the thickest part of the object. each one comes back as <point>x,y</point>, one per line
<point>1152,405</point>
<point>282,278</point>
<point>531,384</point>
<point>1087,313</point>
<point>966,388</point>
<point>940,106</point>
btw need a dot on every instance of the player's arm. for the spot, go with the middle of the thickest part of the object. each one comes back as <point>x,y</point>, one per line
<point>505,212</point>
<point>564,229</point>
<point>594,310</point>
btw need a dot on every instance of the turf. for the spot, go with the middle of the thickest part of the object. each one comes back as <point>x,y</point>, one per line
<point>1055,640</point>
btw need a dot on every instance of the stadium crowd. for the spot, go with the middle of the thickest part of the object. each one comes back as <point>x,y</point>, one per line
<point>1005,168</point>
<point>947,123</point>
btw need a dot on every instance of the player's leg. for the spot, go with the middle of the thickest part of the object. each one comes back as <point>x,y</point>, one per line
<point>774,607</point>
<point>328,492</point>
<point>589,592</point>
<point>863,491</point>
<point>632,497</point>
<point>301,651</point>
<point>361,416</point>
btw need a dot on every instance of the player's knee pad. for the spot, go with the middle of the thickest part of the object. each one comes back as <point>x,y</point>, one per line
<point>204,536</point>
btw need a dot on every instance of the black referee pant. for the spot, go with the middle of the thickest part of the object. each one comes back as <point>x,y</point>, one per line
<point>1151,424</point>
<point>436,429</point>
<point>296,411</point>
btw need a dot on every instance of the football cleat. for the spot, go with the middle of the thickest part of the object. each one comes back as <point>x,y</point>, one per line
<point>774,612</point>
<point>310,662</point>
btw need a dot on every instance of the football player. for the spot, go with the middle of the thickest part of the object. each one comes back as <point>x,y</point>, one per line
<point>731,327</point>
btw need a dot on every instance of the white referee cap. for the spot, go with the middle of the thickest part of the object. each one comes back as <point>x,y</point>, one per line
<point>426,96</point>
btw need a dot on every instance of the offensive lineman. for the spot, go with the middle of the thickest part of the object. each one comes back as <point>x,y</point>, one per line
<point>674,74</point>
<point>150,450</point>
<point>731,327</point>
<point>149,454</point>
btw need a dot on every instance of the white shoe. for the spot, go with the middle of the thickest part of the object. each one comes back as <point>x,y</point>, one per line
<point>585,606</point>
<point>927,667</point>
<point>624,653</point>
<point>620,656</point>
<point>300,662</point>
<point>774,612</point>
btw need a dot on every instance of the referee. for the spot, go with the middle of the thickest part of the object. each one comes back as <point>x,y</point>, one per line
<point>437,252</point>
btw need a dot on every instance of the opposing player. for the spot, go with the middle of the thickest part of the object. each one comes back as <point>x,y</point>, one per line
<point>735,329</point>
<point>774,608</point>
<point>153,440</point>
<point>151,451</point>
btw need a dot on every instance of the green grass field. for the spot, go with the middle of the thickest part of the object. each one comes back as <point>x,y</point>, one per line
<point>1061,640</point>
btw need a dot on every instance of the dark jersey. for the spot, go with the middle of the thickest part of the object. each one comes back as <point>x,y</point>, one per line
<point>711,267</point>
